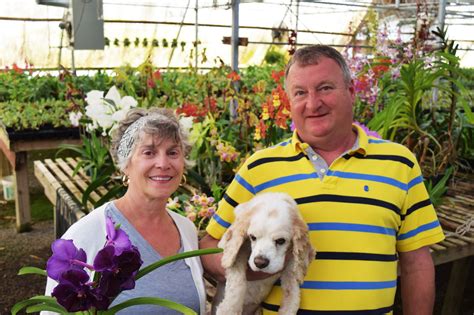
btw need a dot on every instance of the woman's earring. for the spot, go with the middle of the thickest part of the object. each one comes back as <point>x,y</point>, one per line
<point>125,180</point>
<point>183,180</point>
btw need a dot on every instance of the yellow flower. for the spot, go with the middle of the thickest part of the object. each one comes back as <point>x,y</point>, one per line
<point>257,136</point>
<point>276,100</point>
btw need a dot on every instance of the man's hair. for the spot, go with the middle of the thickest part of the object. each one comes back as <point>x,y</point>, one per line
<point>310,55</point>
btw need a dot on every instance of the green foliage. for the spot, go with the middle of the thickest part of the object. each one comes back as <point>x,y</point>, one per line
<point>275,57</point>
<point>437,191</point>
<point>97,162</point>
<point>19,115</point>
<point>427,108</point>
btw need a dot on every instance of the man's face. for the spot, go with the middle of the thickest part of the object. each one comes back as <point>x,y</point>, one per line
<point>321,102</point>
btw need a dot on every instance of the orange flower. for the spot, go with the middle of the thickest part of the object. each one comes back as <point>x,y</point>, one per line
<point>157,75</point>
<point>192,110</point>
<point>276,75</point>
<point>233,76</point>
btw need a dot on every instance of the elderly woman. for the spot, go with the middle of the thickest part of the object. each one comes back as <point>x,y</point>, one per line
<point>150,148</point>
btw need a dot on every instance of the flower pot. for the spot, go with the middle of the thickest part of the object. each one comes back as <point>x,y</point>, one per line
<point>8,188</point>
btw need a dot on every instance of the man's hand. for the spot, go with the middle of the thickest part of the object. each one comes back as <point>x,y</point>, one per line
<point>417,282</point>
<point>212,263</point>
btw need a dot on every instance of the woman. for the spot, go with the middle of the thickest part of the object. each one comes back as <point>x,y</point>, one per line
<point>150,149</point>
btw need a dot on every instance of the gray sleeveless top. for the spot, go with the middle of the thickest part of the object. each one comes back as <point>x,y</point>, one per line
<point>172,281</point>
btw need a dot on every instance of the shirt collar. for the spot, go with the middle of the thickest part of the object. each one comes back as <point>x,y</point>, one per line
<point>361,144</point>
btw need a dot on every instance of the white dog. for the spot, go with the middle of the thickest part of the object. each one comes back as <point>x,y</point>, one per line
<point>270,236</point>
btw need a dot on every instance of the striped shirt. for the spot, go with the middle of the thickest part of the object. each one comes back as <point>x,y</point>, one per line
<point>370,204</point>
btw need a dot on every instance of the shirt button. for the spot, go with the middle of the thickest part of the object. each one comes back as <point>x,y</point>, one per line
<point>323,170</point>
<point>314,157</point>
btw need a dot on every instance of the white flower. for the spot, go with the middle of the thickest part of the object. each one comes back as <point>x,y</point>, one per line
<point>186,124</point>
<point>106,111</point>
<point>94,96</point>
<point>74,118</point>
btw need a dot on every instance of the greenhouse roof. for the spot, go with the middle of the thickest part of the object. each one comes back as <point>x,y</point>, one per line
<point>165,31</point>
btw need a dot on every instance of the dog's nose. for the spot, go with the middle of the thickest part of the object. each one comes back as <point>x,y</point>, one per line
<point>261,262</point>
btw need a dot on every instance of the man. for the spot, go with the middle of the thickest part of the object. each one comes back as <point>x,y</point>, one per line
<point>363,199</point>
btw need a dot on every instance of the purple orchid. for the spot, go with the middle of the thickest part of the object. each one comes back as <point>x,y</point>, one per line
<point>368,131</point>
<point>76,294</point>
<point>117,237</point>
<point>117,271</point>
<point>65,256</point>
<point>117,265</point>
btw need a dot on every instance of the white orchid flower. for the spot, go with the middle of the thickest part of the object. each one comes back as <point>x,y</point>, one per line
<point>106,111</point>
<point>94,97</point>
<point>74,117</point>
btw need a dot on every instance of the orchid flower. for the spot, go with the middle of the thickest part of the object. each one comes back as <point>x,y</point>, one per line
<point>65,257</point>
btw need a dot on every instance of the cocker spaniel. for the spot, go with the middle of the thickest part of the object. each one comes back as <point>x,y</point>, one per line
<point>268,235</point>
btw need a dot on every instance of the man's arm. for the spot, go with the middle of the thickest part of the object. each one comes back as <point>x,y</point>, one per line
<point>212,263</point>
<point>417,281</point>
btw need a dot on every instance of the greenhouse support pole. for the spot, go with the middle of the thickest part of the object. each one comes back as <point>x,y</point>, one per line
<point>196,37</point>
<point>73,66</point>
<point>235,35</point>
<point>441,18</point>
<point>441,13</point>
<point>235,55</point>
<point>297,19</point>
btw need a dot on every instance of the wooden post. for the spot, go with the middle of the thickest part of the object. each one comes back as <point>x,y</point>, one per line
<point>457,284</point>
<point>22,195</point>
<point>5,168</point>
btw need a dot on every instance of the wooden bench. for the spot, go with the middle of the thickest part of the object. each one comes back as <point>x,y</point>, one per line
<point>457,210</point>
<point>65,190</point>
<point>62,188</point>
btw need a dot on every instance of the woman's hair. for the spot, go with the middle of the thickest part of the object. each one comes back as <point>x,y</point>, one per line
<point>160,122</point>
<point>310,55</point>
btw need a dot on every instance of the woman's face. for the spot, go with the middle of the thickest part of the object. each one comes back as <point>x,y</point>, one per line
<point>155,168</point>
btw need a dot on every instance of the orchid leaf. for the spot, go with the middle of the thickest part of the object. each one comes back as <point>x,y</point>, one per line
<point>32,270</point>
<point>167,260</point>
<point>46,307</point>
<point>41,301</point>
<point>150,301</point>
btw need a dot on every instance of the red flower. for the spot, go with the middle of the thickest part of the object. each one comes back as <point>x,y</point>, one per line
<point>276,75</point>
<point>233,76</point>
<point>210,104</point>
<point>157,75</point>
<point>151,83</point>
<point>192,110</point>
<point>16,68</point>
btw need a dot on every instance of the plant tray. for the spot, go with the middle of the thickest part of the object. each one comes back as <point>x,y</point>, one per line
<point>43,134</point>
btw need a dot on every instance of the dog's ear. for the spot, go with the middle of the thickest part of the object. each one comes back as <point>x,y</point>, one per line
<point>302,250</point>
<point>236,234</point>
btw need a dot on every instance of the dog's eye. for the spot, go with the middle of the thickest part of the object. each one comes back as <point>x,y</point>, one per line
<point>252,237</point>
<point>280,241</point>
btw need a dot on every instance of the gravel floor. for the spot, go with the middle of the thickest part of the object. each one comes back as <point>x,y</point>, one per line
<point>19,250</point>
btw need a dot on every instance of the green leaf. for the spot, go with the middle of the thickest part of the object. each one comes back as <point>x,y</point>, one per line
<point>40,300</point>
<point>440,188</point>
<point>46,307</point>
<point>32,270</point>
<point>150,301</point>
<point>199,252</point>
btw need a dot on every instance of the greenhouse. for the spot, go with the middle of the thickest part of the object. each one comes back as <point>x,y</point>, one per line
<point>237,156</point>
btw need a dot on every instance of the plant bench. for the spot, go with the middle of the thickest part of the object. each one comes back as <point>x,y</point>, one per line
<point>65,191</point>
<point>16,145</point>
<point>455,215</point>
